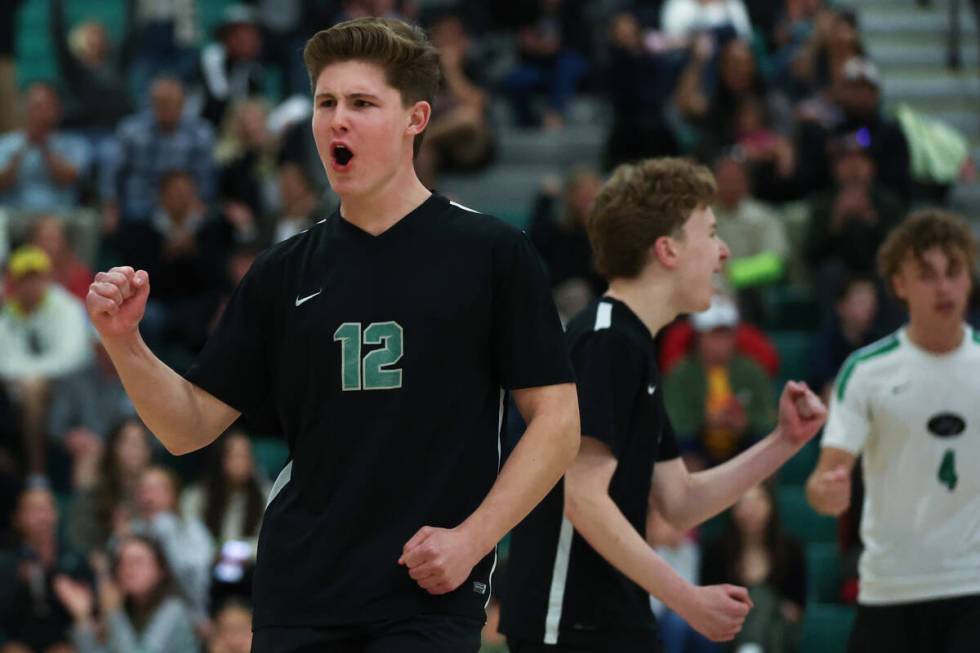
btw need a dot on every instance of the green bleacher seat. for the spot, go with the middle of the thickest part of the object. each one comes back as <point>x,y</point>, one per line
<point>826,628</point>
<point>823,572</point>
<point>797,469</point>
<point>794,353</point>
<point>799,518</point>
<point>790,307</point>
<point>270,454</point>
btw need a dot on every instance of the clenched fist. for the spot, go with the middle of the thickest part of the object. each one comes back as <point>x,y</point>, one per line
<point>116,301</point>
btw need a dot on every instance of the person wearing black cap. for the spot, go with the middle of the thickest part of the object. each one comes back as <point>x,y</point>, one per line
<point>230,69</point>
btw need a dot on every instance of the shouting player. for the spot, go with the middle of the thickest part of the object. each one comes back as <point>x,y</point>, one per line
<point>383,339</point>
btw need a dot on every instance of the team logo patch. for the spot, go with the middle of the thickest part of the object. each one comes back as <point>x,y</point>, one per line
<point>946,425</point>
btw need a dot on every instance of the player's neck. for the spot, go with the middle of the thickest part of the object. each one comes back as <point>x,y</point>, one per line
<point>378,211</point>
<point>936,338</point>
<point>648,298</point>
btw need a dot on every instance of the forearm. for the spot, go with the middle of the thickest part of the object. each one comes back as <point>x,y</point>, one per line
<point>167,403</point>
<point>597,518</point>
<point>689,98</point>
<point>715,489</point>
<point>541,457</point>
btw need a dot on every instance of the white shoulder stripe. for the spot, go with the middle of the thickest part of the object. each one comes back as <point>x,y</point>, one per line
<point>465,208</point>
<point>603,316</point>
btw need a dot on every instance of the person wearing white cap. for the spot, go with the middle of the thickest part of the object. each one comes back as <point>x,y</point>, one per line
<point>718,401</point>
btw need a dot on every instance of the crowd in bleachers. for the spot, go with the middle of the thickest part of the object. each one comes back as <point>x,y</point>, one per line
<point>179,143</point>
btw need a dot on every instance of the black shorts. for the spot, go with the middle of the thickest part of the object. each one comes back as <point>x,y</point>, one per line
<point>433,633</point>
<point>618,642</point>
<point>940,626</point>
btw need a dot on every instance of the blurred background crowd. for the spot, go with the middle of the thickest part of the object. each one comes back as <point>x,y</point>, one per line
<point>173,136</point>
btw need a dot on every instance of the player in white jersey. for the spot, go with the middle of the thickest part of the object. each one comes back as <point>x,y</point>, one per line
<point>910,406</point>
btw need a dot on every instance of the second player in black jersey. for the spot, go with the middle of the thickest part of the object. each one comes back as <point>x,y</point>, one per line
<point>580,571</point>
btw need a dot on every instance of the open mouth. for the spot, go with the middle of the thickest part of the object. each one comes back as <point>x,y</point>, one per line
<point>342,155</point>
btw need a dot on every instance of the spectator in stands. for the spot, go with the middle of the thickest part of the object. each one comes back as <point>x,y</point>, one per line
<point>150,144</point>
<point>850,220</point>
<point>111,498</point>
<point>232,629</point>
<point>247,158</point>
<point>230,69</point>
<point>40,166</point>
<point>43,337</point>
<point>718,401</point>
<point>850,327</point>
<point>640,83</point>
<point>165,42</point>
<point>85,406</point>
<point>819,63</point>
<point>95,75</point>
<point>558,231</point>
<point>688,18</point>
<point>283,35</point>
<point>184,249</point>
<point>138,605</point>
<point>792,33</point>
<point>553,43</point>
<point>230,498</point>
<point>186,543</point>
<point>754,233</point>
<point>684,557</point>
<point>459,137</point>
<point>33,618</point>
<point>299,205</point>
<point>49,233</point>
<point>755,552</point>
<point>711,108</point>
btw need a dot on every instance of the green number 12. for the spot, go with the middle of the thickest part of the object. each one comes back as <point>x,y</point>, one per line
<point>372,368</point>
<point>947,470</point>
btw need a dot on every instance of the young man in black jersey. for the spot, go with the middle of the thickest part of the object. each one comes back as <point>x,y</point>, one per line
<point>580,570</point>
<point>383,340</point>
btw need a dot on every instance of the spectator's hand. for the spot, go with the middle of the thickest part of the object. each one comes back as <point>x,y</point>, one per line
<point>791,612</point>
<point>830,491</point>
<point>801,413</point>
<point>240,216</point>
<point>735,417</point>
<point>439,559</point>
<point>76,597</point>
<point>716,611</point>
<point>116,301</point>
<point>121,519</point>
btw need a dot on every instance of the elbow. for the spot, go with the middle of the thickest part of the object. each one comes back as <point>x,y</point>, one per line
<point>568,437</point>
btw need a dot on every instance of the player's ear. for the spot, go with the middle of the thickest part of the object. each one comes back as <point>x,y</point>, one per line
<point>898,286</point>
<point>665,250</point>
<point>418,117</point>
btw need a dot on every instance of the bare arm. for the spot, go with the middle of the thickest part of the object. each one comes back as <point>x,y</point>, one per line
<point>717,612</point>
<point>181,415</point>
<point>441,559</point>
<point>686,500</point>
<point>829,487</point>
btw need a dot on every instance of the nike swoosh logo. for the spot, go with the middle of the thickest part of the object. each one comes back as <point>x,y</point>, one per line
<point>651,389</point>
<point>307,298</point>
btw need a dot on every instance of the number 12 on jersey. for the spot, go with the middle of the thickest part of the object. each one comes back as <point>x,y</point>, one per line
<point>370,373</point>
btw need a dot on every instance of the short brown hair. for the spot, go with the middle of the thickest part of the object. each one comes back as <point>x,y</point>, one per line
<point>409,61</point>
<point>640,203</point>
<point>921,231</point>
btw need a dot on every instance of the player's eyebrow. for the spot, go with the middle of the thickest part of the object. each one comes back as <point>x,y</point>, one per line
<point>350,96</point>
